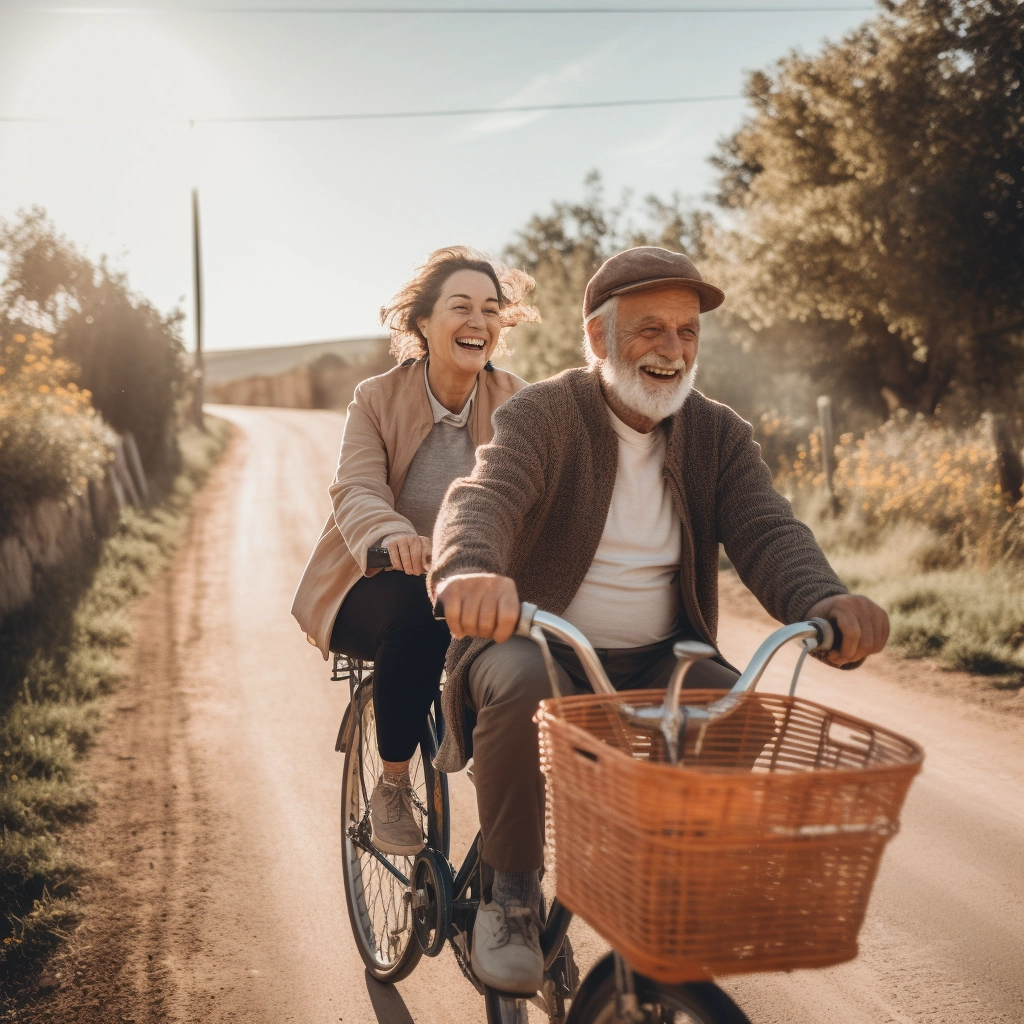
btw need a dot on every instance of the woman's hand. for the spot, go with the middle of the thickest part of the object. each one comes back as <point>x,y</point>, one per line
<point>410,554</point>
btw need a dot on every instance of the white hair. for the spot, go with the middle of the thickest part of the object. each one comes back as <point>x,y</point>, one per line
<point>624,378</point>
<point>607,313</point>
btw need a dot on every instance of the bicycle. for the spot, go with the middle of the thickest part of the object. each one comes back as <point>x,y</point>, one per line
<point>411,909</point>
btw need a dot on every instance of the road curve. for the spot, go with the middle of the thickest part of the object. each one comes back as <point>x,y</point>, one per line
<point>218,819</point>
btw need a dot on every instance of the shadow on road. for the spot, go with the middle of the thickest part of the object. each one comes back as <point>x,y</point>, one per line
<point>388,1004</point>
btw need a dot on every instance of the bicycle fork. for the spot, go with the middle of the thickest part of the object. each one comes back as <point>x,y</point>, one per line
<point>627,1006</point>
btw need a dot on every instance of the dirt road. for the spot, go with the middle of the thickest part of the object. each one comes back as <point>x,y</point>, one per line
<point>219,894</point>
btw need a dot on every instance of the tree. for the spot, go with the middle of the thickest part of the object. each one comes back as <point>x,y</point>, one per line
<point>127,354</point>
<point>876,207</point>
<point>563,248</point>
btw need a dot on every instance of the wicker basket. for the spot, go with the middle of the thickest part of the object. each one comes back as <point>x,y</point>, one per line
<point>757,855</point>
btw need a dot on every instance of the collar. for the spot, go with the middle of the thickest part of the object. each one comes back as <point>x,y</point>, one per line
<point>443,415</point>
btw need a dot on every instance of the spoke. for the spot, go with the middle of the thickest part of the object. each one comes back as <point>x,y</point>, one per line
<point>389,925</point>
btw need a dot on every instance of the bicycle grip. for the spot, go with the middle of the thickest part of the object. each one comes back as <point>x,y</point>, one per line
<point>837,635</point>
<point>837,642</point>
<point>378,558</point>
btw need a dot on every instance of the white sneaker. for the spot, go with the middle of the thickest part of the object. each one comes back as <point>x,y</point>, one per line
<point>394,823</point>
<point>506,948</point>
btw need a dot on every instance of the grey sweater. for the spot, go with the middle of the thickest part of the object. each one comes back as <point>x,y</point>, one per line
<point>447,452</point>
<point>535,504</point>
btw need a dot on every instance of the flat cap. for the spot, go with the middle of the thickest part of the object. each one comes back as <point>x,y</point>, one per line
<point>647,266</point>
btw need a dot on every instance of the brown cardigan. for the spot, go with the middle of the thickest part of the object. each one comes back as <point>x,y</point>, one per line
<point>535,505</point>
<point>387,421</point>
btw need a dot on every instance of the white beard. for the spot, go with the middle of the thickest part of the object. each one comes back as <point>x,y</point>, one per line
<point>652,401</point>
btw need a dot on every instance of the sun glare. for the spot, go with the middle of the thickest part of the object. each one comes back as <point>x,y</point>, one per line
<point>113,68</point>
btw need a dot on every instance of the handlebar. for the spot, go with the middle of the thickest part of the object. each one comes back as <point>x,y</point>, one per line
<point>672,718</point>
<point>818,634</point>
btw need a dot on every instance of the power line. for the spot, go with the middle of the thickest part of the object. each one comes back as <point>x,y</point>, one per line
<point>844,8</point>
<point>379,116</point>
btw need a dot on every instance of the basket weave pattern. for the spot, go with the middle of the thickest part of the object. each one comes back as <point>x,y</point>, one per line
<point>759,854</point>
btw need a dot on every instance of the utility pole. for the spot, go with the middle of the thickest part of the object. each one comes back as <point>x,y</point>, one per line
<point>828,447</point>
<point>197,280</point>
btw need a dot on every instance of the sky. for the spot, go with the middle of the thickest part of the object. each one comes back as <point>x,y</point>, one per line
<point>308,227</point>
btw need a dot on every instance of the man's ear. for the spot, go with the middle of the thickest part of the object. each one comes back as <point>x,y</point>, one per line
<point>595,335</point>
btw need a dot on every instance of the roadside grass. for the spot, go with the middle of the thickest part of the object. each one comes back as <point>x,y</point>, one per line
<point>58,658</point>
<point>942,603</point>
<point>926,529</point>
<point>962,614</point>
<point>964,617</point>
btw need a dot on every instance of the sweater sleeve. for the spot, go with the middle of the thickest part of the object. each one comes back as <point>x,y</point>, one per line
<point>775,555</point>
<point>364,507</point>
<point>483,514</point>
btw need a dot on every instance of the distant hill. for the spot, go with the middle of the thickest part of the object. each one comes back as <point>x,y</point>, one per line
<point>317,375</point>
<point>241,363</point>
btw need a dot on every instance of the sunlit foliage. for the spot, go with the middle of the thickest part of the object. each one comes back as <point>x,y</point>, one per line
<point>876,218</point>
<point>913,469</point>
<point>124,351</point>
<point>563,248</point>
<point>51,440</point>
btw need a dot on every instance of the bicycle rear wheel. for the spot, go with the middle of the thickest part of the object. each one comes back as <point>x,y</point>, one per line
<point>379,903</point>
<point>694,1003</point>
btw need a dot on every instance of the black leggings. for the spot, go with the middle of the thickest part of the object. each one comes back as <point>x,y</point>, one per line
<point>387,619</point>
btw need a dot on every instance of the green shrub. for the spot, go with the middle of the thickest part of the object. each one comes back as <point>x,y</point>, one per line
<point>124,351</point>
<point>51,440</point>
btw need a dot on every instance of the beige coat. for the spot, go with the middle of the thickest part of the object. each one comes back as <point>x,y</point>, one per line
<point>387,421</point>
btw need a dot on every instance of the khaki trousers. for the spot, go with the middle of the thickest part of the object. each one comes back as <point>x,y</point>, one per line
<point>506,683</point>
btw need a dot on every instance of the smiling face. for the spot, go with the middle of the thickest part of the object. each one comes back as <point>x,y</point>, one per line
<point>650,359</point>
<point>464,327</point>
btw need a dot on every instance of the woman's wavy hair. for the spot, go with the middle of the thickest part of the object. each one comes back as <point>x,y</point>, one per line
<point>419,295</point>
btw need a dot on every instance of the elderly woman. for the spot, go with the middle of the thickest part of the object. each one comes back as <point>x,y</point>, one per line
<point>409,433</point>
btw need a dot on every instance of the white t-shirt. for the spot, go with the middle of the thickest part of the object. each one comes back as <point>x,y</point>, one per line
<point>630,595</point>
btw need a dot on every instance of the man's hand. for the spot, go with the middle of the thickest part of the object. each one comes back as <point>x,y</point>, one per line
<point>865,626</point>
<point>480,604</point>
<point>410,554</point>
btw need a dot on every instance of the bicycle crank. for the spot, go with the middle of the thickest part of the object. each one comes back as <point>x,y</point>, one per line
<point>431,899</point>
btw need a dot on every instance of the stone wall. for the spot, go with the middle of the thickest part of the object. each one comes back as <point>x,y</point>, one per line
<point>53,532</point>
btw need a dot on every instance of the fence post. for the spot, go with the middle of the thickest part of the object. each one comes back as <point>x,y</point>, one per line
<point>124,474</point>
<point>1008,455</point>
<point>131,450</point>
<point>828,447</point>
<point>114,484</point>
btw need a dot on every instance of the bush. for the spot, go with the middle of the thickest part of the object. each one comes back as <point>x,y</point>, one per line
<point>120,347</point>
<point>915,470</point>
<point>51,440</point>
<point>131,359</point>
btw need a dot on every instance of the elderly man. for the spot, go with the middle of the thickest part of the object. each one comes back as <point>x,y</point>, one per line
<point>603,498</point>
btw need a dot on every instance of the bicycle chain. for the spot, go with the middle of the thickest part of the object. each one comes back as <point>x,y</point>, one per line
<point>464,965</point>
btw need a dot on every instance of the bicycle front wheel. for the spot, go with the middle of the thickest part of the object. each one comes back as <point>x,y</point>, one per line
<point>694,1003</point>
<point>379,901</point>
